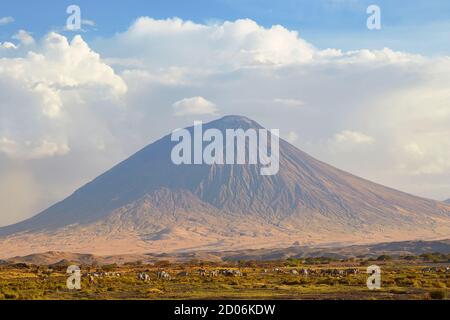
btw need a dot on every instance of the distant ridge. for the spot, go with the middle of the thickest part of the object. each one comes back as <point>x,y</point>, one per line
<point>298,252</point>
<point>148,204</point>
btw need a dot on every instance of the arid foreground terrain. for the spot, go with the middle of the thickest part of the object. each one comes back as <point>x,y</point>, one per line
<point>425,276</point>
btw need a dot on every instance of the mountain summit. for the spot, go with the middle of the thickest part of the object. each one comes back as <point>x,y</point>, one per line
<point>148,204</point>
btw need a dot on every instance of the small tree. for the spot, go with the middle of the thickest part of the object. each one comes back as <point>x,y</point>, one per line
<point>384,257</point>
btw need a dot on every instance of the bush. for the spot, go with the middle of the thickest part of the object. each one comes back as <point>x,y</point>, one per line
<point>162,264</point>
<point>438,295</point>
<point>291,282</point>
<point>11,295</point>
<point>110,267</point>
<point>384,257</point>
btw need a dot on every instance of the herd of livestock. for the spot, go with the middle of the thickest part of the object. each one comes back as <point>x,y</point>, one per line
<point>436,270</point>
<point>164,275</point>
<point>303,272</point>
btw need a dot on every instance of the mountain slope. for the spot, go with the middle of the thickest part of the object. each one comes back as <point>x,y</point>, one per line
<point>146,203</point>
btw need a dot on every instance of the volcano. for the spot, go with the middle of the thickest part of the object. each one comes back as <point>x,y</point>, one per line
<point>148,204</point>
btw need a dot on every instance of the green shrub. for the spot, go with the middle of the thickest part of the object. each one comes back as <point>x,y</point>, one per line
<point>438,295</point>
<point>384,257</point>
<point>11,295</point>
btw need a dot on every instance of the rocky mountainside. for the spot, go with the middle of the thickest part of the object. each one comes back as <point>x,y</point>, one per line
<point>148,204</point>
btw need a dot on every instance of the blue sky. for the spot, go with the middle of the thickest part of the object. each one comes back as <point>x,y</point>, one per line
<point>421,26</point>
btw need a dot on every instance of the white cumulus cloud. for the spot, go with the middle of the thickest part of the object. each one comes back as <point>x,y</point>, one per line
<point>40,94</point>
<point>7,45</point>
<point>6,20</point>
<point>353,137</point>
<point>194,106</point>
<point>24,37</point>
<point>222,46</point>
